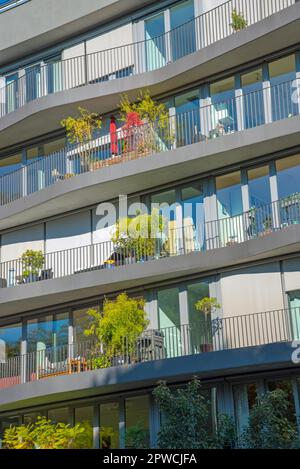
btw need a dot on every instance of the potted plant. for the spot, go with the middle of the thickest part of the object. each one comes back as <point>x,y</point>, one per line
<point>207,306</point>
<point>79,131</point>
<point>238,21</point>
<point>32,263</point>
<point>144,121</point>
<point>232,241</point>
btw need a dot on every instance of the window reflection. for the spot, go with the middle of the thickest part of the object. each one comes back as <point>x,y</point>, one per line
<point>259,186</point>
<point>229,195</point>
<point>137,415</point>
<point>223,111</point>
<point>282,72</point>
<point>169,320</point>
<point>109,425</point>
<point>253,101</point>
<point>10,341</point>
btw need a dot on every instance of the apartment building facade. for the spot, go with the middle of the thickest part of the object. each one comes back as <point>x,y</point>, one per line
<point>233,98</point>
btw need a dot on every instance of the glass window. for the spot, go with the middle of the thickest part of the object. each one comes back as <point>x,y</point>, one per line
<point>187,118</point>
<point>7,422</point>
<point>165,202</point>
<point>259,186</point>
<point>11,89</point>
<point>244,399</point>
<point>294,301</point>
<point>10,340</point>
<point>31,418</point>
<point>81,322</point>
<point>109,425</point>
<point>288,176</point>
<point>137,414</point>
<point>199,322</point>
<point>61,329</point>
<point>183,37</point>
<point>253,101</point>
<point>155,42</point>
<point>54,145</point>
<point>192,199</point>
<point>11,163</point>
<point>169,320</point>
<point>85,416</point>
<point>40,333</point>
<point>59,415</point>
<point>282,73</point>
<point>33,82</point>
<point>229,195</point>
<point>223,110</point>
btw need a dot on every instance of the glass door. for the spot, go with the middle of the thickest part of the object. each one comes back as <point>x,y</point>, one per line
<point>169,321</point>
<point>187,118</point>
<point>253,100</point>
<point>155,42</point>
<point>294,301</point>
<point>12,84</point>
<point>192,199</point>
<point>54,75</point>
<point>230,208</point>
<point>33,82</point>
<point>282,73</point>
<point>183,36</point>
<point>200,326</point>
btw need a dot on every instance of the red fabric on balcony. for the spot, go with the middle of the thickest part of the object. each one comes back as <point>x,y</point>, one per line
<point>113,136</point>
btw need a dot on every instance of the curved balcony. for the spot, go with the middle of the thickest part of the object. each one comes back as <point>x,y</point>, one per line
<point>97,77</point>
<point>210,336</point>
<point>222,131</point>
<point>258,223</point>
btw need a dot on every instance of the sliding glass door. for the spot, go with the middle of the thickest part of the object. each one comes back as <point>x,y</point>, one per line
<point>294,300</point>
<point>183,36</point>
<point>169,321</point>
<point>155,42</point>
<point>33,82</point>
<point>12,84</point>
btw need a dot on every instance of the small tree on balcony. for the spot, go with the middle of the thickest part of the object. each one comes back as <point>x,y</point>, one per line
<point>80,129</point>
<point>116,329</point>
<point>154,116</point>
<point>238,21</point>
<point>32,263</point>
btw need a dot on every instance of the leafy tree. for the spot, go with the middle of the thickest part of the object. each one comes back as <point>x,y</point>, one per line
<point>44,434</point>
<point>185,417</point>
<point>32,262</point>
<point>80,129</point>
<point>117,328</point>
<point>269,427</point>
<point>207,305</point>
<point>238,21</point>
<point>146,109</point>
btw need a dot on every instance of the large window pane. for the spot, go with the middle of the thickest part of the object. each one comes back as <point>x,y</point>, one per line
<point>61,329</point>
<point>253,101</point>
<point>7,422</point>
<point>137,413</point>
<point>282,73</point>
<point>223,109</point>
<point>155,42</point>
<point>12,85</point>
<point>169,320</point>
<point>82,322</point>
<point>187,118</point>
<point>244,399</point>
<point>85,416</point>
<point>200,323</point>
<point>10,340</point>
<point>183,38</point>
<point>192,199</point>
<point>294,301</point>
<point>229,195</point>
<point>33,82</point>
<point>259,186</point>
<point>31,418</point>
<point>288,175</point>
<point>11,187</point>
<point>60,415</point>
<point>109,425</point>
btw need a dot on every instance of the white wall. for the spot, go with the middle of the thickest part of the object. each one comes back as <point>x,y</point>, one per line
<point>73,66</point>
<point>109,61</point>
<point>292,274</point>
<point>15,243</point>
<point>252,290</point>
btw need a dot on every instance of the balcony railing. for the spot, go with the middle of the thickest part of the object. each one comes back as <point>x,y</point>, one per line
<point>8,4</point>
<point>216,120</point>
<point>172,241</point>
<point>136,58</point>
<point>207,335</point>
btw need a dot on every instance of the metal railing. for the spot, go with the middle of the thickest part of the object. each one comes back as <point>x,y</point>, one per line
<point>218,119</point>
<point>206,335</point>
<point>8,4</point>
<point>135,58</point>
<point>171,241</point>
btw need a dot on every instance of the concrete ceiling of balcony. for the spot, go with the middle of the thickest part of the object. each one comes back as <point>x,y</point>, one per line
<point>138,175</point>
<point>33,26</point>
<point>30,297</point>
<point>44,114</point>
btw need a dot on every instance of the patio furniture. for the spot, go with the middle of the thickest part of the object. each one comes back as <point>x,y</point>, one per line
<point>46,274</point>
